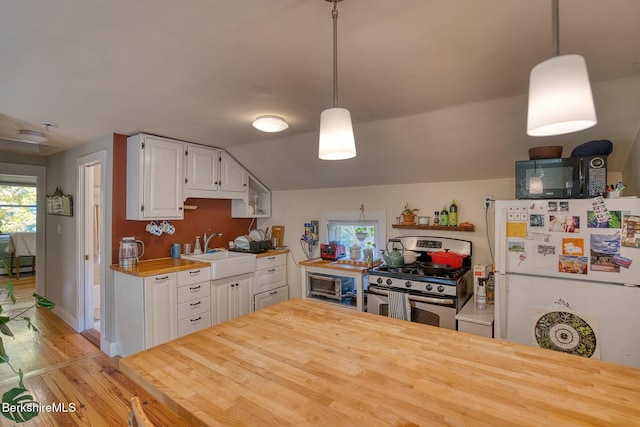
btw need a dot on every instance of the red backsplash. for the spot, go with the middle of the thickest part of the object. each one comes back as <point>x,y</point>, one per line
<point>211,213</point>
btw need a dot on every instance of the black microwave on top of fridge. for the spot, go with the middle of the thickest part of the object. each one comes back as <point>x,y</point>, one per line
<point>562,178</point>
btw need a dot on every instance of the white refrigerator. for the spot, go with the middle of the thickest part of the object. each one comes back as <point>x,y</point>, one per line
<point>568,276</point>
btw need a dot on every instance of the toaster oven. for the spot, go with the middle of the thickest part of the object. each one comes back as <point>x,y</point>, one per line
<point>328,286</point>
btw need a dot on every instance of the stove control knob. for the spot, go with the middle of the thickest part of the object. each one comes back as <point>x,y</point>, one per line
<point>407,284</point>
<point>440,288</point>
<point>429,287</point>
<point>379,280</point>
<point>389,282</point>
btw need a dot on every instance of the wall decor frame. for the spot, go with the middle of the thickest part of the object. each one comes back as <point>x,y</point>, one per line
<point>60,204</point>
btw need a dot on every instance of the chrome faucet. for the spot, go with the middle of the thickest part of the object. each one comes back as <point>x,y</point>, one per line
<point>207,238</point>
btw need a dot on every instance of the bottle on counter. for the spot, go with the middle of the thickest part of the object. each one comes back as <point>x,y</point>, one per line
<point>436,218</point>
<point>481,297</point>
<point>197,249</point>
<point>453,214</point>
<point>491,288</point>
<point>444,216</point>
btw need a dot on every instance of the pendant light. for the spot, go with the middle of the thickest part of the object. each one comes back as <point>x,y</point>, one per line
<point>336,131</point>
<point>560,99</point>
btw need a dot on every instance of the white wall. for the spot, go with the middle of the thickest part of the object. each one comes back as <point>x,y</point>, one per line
<point>293,208</point>
<point>631,171</point>
<point>62,246</point>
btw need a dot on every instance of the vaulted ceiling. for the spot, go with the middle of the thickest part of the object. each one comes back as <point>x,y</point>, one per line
<point>437,89</point>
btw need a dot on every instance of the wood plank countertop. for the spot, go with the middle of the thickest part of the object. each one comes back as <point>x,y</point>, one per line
<point>335,265</point>
<point>302,362</point>
<point>156,266</point>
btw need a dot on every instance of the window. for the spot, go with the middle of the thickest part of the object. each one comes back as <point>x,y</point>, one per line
<point>17,208</point>
<point>343,226</point>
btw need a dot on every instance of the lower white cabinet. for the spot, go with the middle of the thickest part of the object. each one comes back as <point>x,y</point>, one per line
<point>145,311</point>
<point>270,281</point>
<point>155,309</point>
<point>265,299</point>
<point>159,309</point>
<point>230,297</point>
<point>194,301</point>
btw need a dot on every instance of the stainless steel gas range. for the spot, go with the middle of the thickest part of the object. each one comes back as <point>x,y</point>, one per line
<point>436,291</point>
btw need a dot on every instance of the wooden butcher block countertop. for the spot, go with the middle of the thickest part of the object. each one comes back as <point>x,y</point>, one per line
<point>302,362</point>
<point>156,266</point>
<point>337,265</point>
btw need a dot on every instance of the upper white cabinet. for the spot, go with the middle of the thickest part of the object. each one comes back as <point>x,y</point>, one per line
<point>154,178</point>
<point>233,177</point>
<point>202,171</point>
<point>213,174</point>
<point>257,204</point>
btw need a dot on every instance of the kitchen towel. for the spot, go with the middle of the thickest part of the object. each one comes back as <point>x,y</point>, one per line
<point>399,306</point>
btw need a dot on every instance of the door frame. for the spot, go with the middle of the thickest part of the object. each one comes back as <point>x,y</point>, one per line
<point>40,172</point>
<point>99,157</point>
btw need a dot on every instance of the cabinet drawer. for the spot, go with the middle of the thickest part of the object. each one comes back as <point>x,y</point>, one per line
<point>191,308</point>
<point>269,278</point>
<point>188,277</point>
<point>271,261</point>
<point>194,324</point>
<point>193,291</point>
<point>266,299</point>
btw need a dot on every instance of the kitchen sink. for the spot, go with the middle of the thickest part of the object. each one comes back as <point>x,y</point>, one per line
<point>227,264</point>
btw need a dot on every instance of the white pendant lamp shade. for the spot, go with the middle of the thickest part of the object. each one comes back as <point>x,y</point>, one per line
<point>560,99</point>
<point>270,124</point>
<point>336,135</point>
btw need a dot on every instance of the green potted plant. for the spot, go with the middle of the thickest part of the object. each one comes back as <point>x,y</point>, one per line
<point>20,404</point>
<point>361,233</point>
<point>409,215</point>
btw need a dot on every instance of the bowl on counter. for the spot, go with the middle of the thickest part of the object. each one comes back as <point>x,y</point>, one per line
<point>410,257</point>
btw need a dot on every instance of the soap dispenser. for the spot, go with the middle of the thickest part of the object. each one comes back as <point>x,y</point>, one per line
<point>197,249</point>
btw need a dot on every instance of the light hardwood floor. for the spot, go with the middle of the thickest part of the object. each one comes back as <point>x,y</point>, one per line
<point>62,366</point>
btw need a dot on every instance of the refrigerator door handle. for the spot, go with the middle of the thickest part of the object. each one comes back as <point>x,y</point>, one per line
<point>502,286</point>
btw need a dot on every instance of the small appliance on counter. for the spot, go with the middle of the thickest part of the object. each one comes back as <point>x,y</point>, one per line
<point>332,251</point>
<point>128,254</point>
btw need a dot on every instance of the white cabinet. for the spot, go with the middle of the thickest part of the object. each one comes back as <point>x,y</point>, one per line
<point>269,281</point>
<point>159,309</point>
<point>230,297</point>
<point>257,204</point>
<point>155,309</point>
<point>268,298</point>
<point>233,177</point>
<point>154,178</point>
<point>202,173</point>
<point>212,173</point>
<point>145,311</point>
<point>194,302</point>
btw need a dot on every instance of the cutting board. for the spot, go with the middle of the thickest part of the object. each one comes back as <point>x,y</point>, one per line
<point>277,232</point>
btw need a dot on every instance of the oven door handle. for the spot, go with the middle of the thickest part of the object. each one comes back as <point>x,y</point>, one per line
<point>416,298</point>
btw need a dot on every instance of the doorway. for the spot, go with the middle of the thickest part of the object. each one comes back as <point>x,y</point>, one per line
<point>91,243</point>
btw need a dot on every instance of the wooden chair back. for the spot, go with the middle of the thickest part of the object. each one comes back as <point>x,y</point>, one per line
<point>137,416</point>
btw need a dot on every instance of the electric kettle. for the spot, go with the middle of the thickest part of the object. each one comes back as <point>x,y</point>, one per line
<point>129,251</point>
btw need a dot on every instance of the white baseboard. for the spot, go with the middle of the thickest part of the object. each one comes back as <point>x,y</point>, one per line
<point>108,347</point>
<point>68,318</point>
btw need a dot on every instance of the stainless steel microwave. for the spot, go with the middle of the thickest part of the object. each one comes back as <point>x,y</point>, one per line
<point>569,178</point>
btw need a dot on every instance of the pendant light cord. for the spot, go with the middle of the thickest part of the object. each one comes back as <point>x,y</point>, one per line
<point>555,23</point>
<point>334,16</point>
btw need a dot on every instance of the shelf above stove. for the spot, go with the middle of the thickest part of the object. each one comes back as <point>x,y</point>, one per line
<point>469,227</point>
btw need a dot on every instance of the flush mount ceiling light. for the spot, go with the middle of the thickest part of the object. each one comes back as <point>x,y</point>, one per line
<point>560,99</point>
<point>336,131</point>
<point>32,136</point>
<point>270,124</point>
